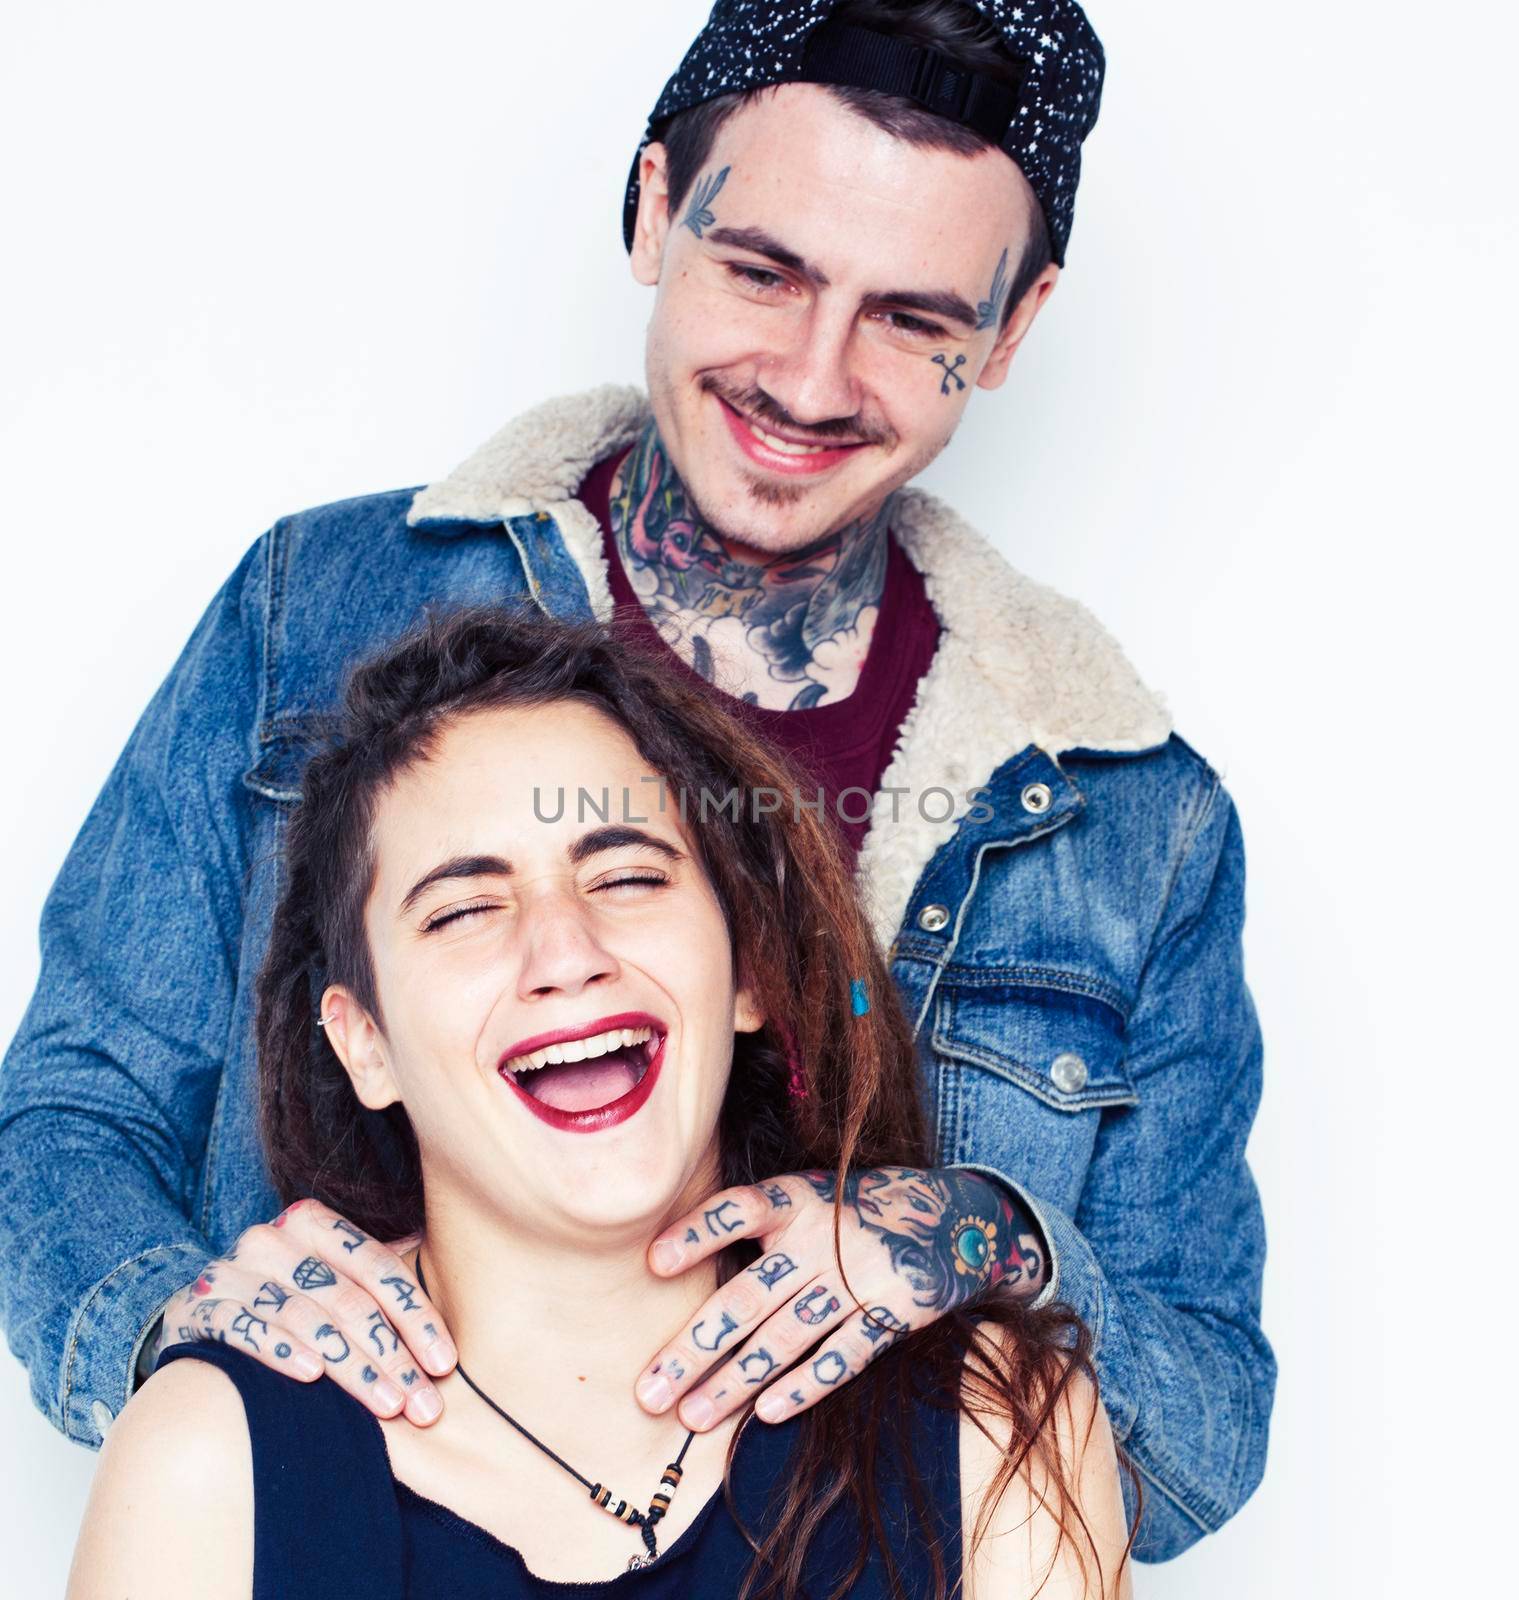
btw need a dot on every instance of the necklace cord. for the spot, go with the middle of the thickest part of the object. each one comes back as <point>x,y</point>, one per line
<point>642,1520</point>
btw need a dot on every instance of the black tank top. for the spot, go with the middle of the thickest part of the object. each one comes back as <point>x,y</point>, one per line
<point>330,1519</point>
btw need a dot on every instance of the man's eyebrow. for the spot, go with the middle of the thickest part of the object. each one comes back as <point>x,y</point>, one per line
<point>615,835</point>
<point>458,867</point>
<point>766,244</point>
<point>932,302</point>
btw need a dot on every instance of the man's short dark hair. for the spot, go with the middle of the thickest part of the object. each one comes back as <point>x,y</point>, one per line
<point>957,32</point>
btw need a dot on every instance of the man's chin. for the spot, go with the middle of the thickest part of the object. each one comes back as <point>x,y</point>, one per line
<point>770,515</point>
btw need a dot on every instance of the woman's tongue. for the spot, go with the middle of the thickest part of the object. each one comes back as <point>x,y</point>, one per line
<point>581,1085</point>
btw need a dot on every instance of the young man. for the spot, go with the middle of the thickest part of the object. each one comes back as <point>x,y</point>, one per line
<point>851,215</point>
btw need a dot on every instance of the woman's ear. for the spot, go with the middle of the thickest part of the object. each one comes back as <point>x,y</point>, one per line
<point>748,1014</point>
<point>358,1043</point>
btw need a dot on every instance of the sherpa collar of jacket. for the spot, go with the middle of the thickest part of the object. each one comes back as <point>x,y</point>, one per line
<point>1018,664</point>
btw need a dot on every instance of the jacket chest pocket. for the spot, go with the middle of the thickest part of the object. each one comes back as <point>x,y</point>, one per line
<point>1024,1074</point>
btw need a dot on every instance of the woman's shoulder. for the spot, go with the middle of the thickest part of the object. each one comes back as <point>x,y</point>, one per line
<point>1018,1530</point>
<point>172,1496</point>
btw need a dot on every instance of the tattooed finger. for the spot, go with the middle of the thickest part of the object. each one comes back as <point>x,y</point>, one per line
<point>209,1320</point>
<point>775,1346</point>
<point>746,1212</point>
<point>864,1336</point>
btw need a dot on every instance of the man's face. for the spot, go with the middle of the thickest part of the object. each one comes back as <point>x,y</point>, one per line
<point>839,289</point>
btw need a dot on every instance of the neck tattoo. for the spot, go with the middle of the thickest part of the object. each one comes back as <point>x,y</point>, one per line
<point>644,1521</point>
<point>794,629</point>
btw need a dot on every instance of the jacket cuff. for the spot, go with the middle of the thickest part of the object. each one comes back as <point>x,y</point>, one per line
<point>108,1331</point>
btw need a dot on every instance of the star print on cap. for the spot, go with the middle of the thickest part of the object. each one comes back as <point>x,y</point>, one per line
<point>752,44</point>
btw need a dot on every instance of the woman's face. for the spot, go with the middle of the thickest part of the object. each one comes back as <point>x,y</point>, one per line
<point>558,994</point>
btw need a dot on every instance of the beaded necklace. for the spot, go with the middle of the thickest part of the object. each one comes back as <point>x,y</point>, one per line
<point>644,1521</point>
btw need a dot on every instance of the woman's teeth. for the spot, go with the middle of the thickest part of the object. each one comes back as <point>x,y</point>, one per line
<point>786,446</point>
<point>597,1044</point>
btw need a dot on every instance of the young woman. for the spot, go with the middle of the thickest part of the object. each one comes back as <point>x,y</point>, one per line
<point>536,986</point>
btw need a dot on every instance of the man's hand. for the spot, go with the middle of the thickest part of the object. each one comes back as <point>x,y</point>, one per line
<point>912,1245</point>
<point>309,1294</point>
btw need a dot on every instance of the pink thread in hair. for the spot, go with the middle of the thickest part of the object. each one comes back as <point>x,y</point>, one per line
<point>796,1085</point>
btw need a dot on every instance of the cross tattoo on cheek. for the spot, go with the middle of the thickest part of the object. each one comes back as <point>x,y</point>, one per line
<point>940,360</point>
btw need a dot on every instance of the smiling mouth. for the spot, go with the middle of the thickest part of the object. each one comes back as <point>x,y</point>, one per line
<point>789,457</point>
<point>581,1077</point>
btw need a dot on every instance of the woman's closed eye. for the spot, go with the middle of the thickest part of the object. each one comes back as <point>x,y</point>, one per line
<point>441,919</point>
<point>622,881</point>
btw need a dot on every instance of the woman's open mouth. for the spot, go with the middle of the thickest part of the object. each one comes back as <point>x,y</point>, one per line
<point>585,1079</point>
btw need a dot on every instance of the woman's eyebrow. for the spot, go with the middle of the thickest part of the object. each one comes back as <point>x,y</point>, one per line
<point>458,867</point>
<point>612,837</point>
<point>616,835</point>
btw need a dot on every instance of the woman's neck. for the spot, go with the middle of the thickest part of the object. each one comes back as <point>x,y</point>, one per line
<point>535,1317</point>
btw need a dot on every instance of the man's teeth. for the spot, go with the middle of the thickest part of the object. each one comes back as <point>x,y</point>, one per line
<point>786,446</point>
<point>597,1044</point>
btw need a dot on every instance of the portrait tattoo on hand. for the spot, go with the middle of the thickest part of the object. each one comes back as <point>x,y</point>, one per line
<point>698,213</point>
<point>949,1233</point>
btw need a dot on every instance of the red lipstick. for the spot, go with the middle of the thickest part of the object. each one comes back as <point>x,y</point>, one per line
<point>594,1119</point>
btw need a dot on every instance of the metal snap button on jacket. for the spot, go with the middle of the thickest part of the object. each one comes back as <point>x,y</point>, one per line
<point>1036,798</point>
<point>931,919</point>
<point>1069,1072</point>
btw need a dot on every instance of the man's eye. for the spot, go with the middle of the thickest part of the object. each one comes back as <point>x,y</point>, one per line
<point>915,327</point>
<point>755,277</point>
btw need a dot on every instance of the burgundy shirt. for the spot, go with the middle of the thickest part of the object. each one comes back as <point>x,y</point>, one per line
<point>845,744</point>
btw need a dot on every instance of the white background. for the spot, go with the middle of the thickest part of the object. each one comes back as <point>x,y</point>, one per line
<point>261,257</point>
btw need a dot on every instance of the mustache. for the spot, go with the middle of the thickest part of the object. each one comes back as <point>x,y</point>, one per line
<point>755,403</point>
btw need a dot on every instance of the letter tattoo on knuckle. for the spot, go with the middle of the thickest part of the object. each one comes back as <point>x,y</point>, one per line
<point>328,1332</point>
<point>405,1291</point>
<point>882,1329</point>
<point>352,1237</point>
<point>725,1326</point>
<point>270,1297</point>
<point>757,1366</point>
<point>810,1312</point>
<point>718,1223</point>
<point>243,1325</point>
<point>776,1195</point>
<point>830,1367</point>
<point>772,1268</point>
<point>377,1330</point>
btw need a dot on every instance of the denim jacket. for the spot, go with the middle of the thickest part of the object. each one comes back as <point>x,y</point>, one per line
<point>1058,879</point>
